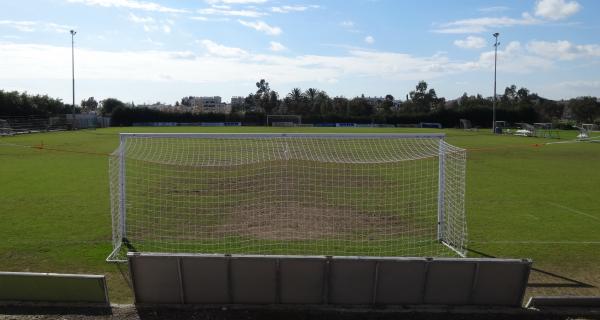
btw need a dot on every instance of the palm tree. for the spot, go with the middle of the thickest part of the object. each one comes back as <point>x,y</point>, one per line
<point>311,95</point>
<point>322,102</point>
<point>294,101</point>
<point>295,95</point>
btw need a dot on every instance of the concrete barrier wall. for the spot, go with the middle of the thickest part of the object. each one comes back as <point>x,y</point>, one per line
<point>52,288</point>
<point>548,302</point>
<point>311,280</point>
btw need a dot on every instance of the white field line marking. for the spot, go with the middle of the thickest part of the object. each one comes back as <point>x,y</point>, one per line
<point>535,242</point>
<point>574,211</point>
<point>592,139</point>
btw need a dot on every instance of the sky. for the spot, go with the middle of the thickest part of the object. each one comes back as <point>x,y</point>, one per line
<point>159,50</point>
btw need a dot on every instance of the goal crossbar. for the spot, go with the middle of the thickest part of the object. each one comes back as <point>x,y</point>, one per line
<point>284,135</point>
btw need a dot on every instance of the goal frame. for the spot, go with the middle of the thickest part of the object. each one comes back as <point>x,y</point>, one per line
<point>272,117</point>
<point>122,183</point>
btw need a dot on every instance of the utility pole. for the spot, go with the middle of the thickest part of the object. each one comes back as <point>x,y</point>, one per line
<point>495,64</point>
<point>73,32</point>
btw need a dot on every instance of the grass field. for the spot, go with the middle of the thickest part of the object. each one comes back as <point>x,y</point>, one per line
<point>524,199</point>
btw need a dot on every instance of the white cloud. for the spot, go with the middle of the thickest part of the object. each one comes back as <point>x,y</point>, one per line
<point>203,18</point>
<point>229,12</point>
<point>216,49</point>
<point>563,50</point>
<point>236,1</point>
<point>493,9</point>
<point>276,46</point>
<point>23,26</point>
<point>347,24</point>
<point>262,27</point>
<point>33,61</point>
<point>592,84</point>
<point>471,42</point>
<point>154,43</point>
<point>483,24</point>
<point>545,9</point>
<point>513,59</point>
<point>369,39</point>
<point>12,36</point>
<point>556,9</point>
<point>130,4</point>
<point>574,88</point>
<point>221,6</point>
<point>33,26</point>
<point>138,19</point>
<point>286,9</point>
<point>150,24</point>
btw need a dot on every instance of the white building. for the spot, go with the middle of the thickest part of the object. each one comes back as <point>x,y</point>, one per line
<point>207,104</point>
<point>216,108</point>
<point>237,100</point>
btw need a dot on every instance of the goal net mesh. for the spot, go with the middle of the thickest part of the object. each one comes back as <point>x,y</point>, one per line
<point>354,195</point>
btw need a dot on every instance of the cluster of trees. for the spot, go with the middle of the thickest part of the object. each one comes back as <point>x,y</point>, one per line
<point>514,105</point>
<point>421,105</point>
<point>22,104</point>
<point>314,103</point>
<point>582,109</point>
<point>13,103</point>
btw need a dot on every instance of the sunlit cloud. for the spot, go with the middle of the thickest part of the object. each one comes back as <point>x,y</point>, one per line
<point>556,9</point>
<point>130,4</point>
<point>276,46</point>
<point>470,42</point>
<point>34,26</point>
<point>262,27</point>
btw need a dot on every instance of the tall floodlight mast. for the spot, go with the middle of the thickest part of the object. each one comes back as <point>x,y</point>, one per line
<point>496,44</point>
<point>73,33</point>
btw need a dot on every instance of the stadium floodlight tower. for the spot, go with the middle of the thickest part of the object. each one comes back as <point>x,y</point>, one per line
<point>496,44</point>
<point>288,194</point>
<point>73,33</point>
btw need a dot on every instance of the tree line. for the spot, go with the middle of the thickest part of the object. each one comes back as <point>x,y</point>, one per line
<point>21,104</point>
<point>316,106</point>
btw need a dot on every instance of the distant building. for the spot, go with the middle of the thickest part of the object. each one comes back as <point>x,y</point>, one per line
<point>206,104</point>
<point>374,101</point>
<point>237,101</point>
<point>157,106</point>
<point>216,108</point>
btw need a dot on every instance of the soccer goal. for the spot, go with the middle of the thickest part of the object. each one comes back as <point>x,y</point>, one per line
<point>590,126</point>
<point>288,194</point>
<point>284,120</point>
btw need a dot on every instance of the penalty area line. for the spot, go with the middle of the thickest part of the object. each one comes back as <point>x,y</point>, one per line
<point>535,242</point>
<point>574,211</point>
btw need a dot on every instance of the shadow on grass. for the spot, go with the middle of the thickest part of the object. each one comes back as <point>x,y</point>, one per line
<point>570,283</point>
<point>37,309</point>
<point>124,270</point>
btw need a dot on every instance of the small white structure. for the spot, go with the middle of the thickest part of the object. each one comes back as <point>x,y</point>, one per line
<point>523,133</point>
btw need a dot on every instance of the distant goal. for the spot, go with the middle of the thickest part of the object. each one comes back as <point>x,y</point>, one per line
<point>284,120</point>
<point>288,194</point>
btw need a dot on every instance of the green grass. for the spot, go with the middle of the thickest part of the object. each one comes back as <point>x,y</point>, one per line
<point>524,199</point>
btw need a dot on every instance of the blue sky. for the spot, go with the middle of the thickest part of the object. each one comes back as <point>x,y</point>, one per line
<point>147,51</point>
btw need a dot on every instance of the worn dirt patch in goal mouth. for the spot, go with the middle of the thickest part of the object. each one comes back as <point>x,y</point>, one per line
<point>312,223</point>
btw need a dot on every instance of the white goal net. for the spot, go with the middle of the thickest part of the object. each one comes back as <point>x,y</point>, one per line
<point>290,194</point>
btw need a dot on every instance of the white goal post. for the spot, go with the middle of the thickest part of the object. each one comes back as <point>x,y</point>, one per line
<point>288,194</point>
<point>283,120</point>
<point>590,126</point>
